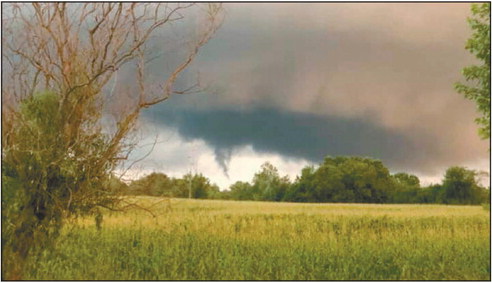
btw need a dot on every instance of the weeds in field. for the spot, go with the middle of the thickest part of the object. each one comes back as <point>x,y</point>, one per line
<point>209,240</point>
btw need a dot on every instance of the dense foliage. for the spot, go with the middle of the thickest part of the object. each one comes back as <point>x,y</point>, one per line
<point>478,76</point>
<point>337,179</point>
<point>48,177</point>
<point>158,184</point>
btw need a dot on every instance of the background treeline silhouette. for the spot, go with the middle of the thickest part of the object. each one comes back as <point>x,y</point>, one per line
<point>336,179</point>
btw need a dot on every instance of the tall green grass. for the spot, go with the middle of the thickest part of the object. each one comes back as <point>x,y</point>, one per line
<point>212,240</point>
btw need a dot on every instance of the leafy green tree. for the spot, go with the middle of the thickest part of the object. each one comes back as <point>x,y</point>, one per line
<point>431,194</point>
<point>301,190</point>
<point>214,192</point>
<point>158,184</point>
<point>241,191</point>
<point>154,184</point>
<point>328,185</point>
<point>47,177</point>
<point>406,188</point>
<point>478,76</point>
<point>343,179</point>
<point>180,188</point>
<point>461,187</point>
<point>268,185</point>
<point>283,187</point>
<point>357,179</point>
<point>200,186</point>
<point>406,180</point>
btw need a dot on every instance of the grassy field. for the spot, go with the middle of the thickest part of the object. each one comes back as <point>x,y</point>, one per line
<point>226,240</point>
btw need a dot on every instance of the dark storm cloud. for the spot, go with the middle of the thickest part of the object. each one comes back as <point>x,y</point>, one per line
<point>295,135</point>
<point>307,80</point>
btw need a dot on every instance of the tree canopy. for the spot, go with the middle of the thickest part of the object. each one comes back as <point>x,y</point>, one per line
<point>341,179</point>
<point>477,76</point>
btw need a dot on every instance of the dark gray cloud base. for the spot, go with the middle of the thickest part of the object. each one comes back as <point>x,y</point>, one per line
<point>290,134</point>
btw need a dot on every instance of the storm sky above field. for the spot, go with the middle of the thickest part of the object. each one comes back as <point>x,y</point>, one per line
<point>293,83</point>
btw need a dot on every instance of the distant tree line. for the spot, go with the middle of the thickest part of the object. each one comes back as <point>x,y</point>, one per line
<point>159,184</point>
<point>336,179</point>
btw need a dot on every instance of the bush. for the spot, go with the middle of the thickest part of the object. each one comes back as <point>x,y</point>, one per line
<point>50,171</point>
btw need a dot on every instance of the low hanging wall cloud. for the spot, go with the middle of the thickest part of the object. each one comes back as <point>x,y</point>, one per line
<point>290,134</point>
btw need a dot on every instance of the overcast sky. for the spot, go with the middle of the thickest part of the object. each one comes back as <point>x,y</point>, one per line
<point>293,83</point>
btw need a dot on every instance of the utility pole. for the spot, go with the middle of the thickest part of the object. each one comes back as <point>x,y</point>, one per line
<point>189,186</point>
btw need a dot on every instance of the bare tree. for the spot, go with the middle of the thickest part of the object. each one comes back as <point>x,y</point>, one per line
<point>59,63</point>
